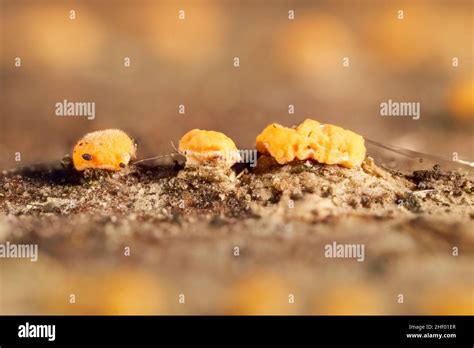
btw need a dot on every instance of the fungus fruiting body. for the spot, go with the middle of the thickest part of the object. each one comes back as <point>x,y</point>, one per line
<point>323,143</point>
<point>109,149</point>
<point>208,147</point>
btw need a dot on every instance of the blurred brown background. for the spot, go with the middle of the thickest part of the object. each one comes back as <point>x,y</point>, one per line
<point>190,62</point>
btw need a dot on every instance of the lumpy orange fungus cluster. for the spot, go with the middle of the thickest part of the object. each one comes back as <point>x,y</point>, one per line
<point>112,149</point>
<point>323,143</point>
<point>202,146</point>
<point>109,149</point>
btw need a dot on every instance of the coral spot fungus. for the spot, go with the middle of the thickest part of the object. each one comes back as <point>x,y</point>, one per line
<point>323,143</point>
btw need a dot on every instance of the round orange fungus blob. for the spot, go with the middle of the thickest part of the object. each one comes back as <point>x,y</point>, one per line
<point>201,146</point>
<point>109,149</point>
<point>323,143</point>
